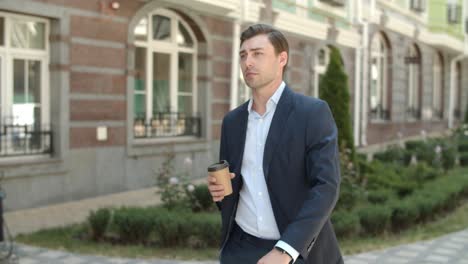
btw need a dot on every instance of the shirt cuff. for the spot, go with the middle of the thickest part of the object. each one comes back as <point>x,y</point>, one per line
<point>291,251</point>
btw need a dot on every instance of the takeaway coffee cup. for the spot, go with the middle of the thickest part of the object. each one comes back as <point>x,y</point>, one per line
<point>220,171</point>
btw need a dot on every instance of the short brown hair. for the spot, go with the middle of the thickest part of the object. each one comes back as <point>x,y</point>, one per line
<point>275,37</point>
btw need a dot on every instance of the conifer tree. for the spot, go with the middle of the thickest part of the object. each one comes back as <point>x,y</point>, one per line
<point>334,90</point>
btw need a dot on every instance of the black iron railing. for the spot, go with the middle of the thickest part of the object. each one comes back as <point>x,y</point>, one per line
<point>437,114</point>
<point>378,113</point>
<point>167,125</point>
<point>413,113</point>
<point>19,140</point>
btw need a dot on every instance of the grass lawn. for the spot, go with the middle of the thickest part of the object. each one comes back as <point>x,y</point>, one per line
<point>61,239</point>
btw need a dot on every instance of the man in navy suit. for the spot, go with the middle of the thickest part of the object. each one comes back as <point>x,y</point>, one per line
<point>283,146</point>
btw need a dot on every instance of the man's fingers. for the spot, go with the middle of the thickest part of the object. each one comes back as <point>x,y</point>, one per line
<point>215,187</point>
<point>233,175</point>
<point>211,179</point>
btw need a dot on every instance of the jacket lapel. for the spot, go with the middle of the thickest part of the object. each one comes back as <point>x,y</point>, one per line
<point>242,119</point>
<point>278,125</point>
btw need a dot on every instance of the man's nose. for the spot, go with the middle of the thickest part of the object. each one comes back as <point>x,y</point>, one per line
<point>248,62</point>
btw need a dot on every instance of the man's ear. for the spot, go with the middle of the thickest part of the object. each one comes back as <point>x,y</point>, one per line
<point>283,58</point>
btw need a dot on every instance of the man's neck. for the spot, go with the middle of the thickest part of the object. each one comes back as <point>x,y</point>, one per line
<point>262,95</point>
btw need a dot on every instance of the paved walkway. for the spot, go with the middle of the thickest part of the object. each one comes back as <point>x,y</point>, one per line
<point>452,249</point>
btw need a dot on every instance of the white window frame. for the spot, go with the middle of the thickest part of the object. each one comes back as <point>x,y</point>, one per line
<point>413,81</point>
<point>171,48</point>
<point>9,53</point>
<point>437,87</point>
<point>381,56</point>
<point>320,69</point>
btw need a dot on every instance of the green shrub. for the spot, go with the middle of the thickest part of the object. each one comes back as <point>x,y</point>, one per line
<point>393,154</point>
<point>345,223</point>
<point>404,213</point>
<point>413,145</point>
<point>350,195</point>
<point>421,172</point>
<point>463,146</point>
<point>98,222</point>
<point>448,157</point>
<point>389,176</point>
<point>334,90</point>
<point>380,196</point>
<point>200,198</point>
<point>134,225</point>
<point>174,228</point>
<point>374,219</point>
<point>207,228</point>
<point>464,159</point>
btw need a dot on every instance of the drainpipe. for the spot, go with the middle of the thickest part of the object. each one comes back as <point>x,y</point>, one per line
<point>453,64</point>
<point>234,91</point>
<point>357,78</point>
<point>236,27</point>
<point>365,65</point>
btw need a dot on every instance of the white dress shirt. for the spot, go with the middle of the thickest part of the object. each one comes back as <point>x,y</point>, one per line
<point>254,212</point>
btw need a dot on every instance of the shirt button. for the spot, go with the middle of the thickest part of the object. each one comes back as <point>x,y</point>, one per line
<point>260,193</point>
<point>260,218</point>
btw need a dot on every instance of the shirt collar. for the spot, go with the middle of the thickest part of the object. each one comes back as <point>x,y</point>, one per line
<point>273,99</point>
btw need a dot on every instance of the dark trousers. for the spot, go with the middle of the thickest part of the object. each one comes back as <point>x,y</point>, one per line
<point>243,248</point>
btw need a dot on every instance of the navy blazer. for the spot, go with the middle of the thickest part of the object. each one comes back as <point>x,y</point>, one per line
<point>301,167</point>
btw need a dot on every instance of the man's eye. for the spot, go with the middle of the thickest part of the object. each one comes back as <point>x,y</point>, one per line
<point>257,53</point>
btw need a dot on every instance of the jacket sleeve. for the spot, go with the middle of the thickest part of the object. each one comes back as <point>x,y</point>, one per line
<point>223,152</point>
<point>323,173</point>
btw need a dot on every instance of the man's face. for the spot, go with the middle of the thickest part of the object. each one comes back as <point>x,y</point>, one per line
<point>259,63</point>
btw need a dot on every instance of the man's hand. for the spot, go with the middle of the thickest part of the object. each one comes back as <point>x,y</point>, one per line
<point>216,190</point>
<point>275,257</point>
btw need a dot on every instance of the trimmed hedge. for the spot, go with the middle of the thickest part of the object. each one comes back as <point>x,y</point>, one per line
<point>98,222</point>
<point>345,223</point>
<point>135,225</point>
<point>385,211</point>
<point>464,159</point>
<point>375,219</point>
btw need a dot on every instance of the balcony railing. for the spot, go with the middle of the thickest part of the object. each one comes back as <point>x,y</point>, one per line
<point>167,125</point>
<point>378,113</point>
<point>334,2</point>
<point>437,114</point>
<point>418,5</point>
<point>413,113</point>
<point>20,140</point>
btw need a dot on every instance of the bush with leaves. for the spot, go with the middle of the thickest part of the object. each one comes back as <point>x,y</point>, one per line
<point>98,222</point>
<point>334,90</point>
<point>375,219</point>
<point>345,223</point>
<point>134,225</point>
<point>199,198</point>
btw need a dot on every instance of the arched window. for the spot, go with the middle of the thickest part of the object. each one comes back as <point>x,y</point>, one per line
<point>438,87</point>
<point>165,90</point>
<point>322,58</point>
<point>378,79</point>
<point>413,65</point>
<point>24,85</point>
